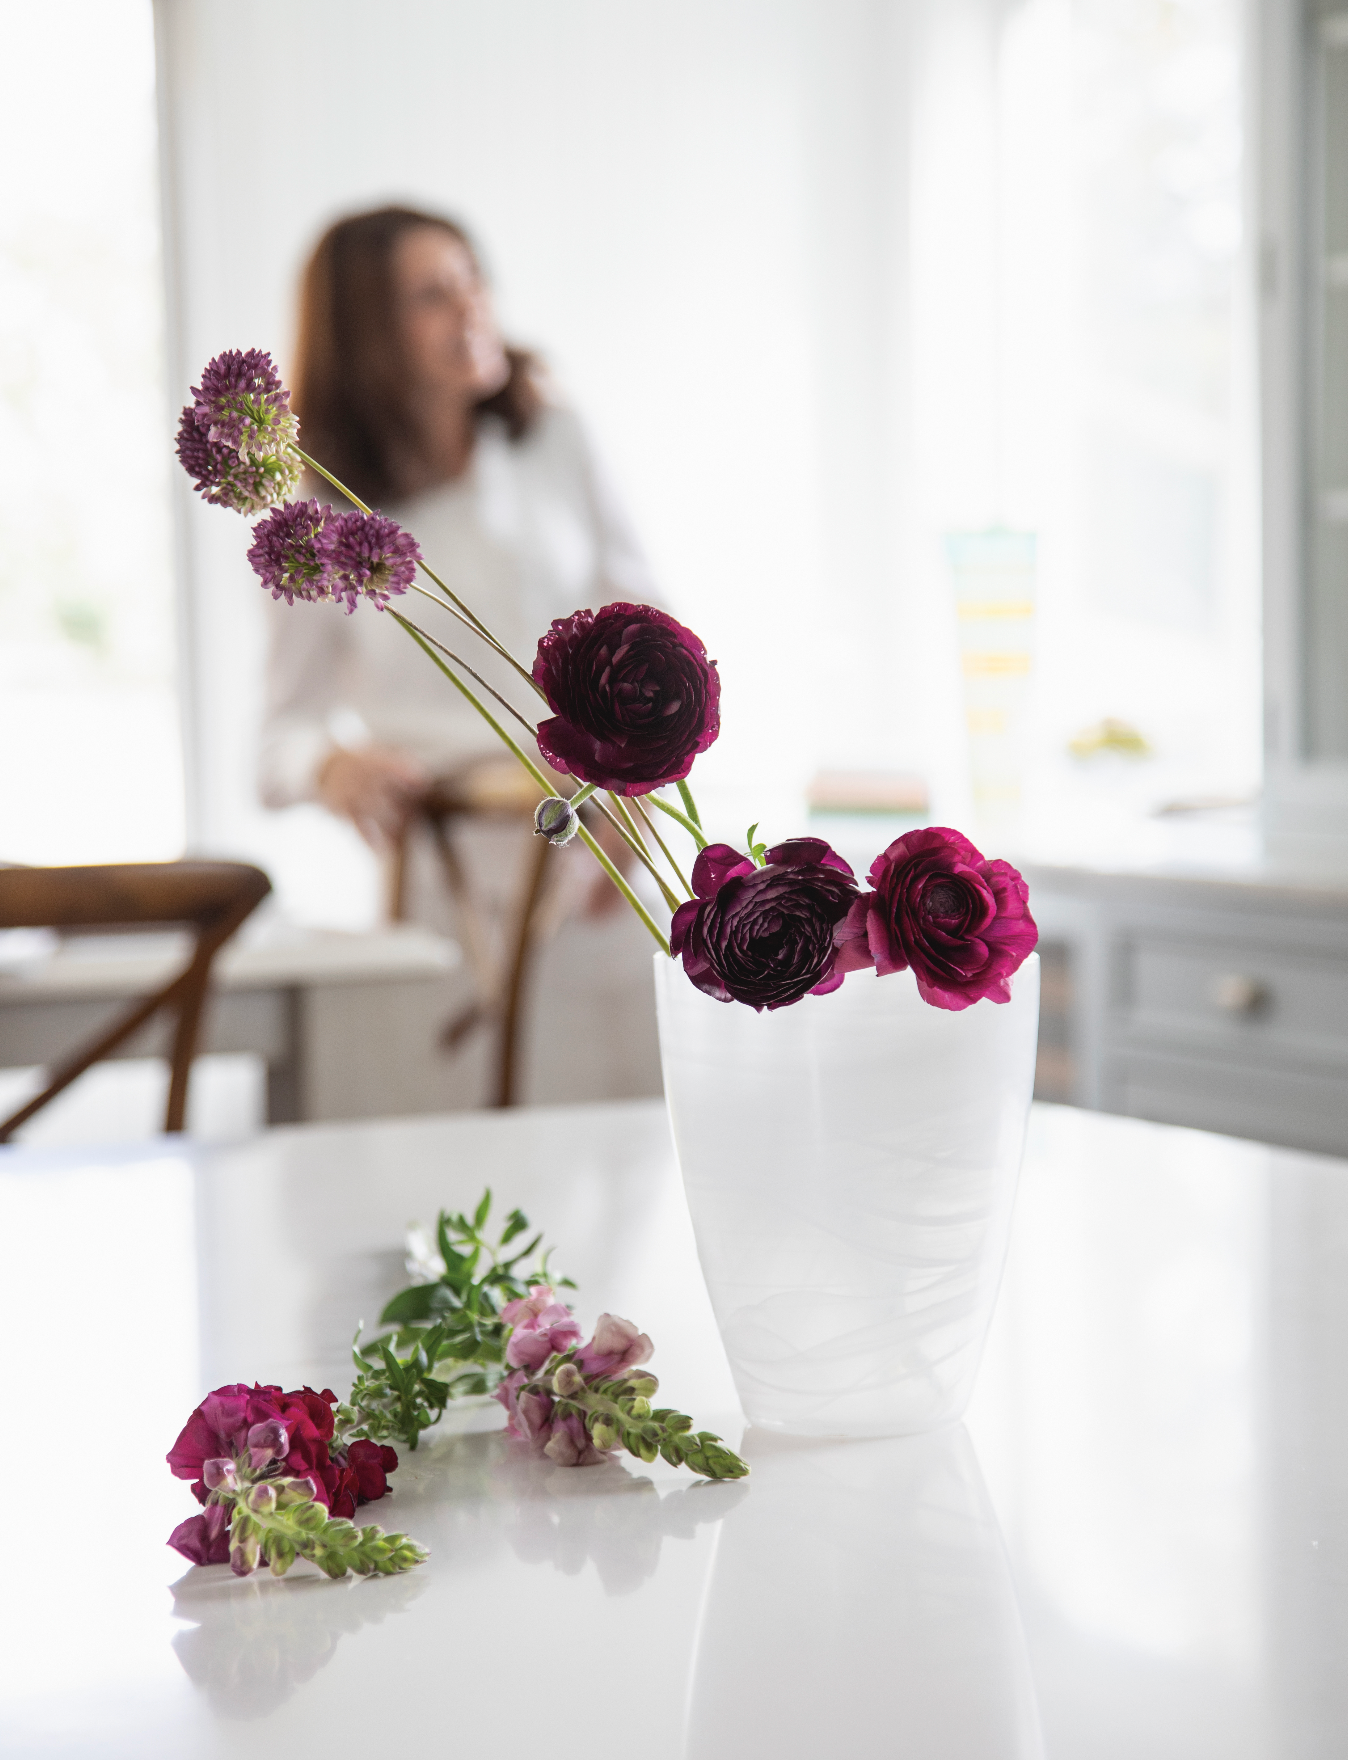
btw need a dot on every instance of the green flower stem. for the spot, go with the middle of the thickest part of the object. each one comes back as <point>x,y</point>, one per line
<point>279,1521</point>
<point>630,833</point>
<point>649,824</point>
<point>636,848</point>
<point>581,794</point>
<point>458,660</point>
<point>590,843</point>
<point>615,1414</point>
<point>465,613</point>
<point>689,805</point>
<point>694,830</point>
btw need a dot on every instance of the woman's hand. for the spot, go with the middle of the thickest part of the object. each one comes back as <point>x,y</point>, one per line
<point>375,788</point>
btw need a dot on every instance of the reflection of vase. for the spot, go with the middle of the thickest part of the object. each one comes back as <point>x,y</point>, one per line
<point>890,1616</point>
<point>850,1164</point>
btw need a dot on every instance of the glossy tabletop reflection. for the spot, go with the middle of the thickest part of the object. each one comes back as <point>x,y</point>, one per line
<point>1134,1546</point>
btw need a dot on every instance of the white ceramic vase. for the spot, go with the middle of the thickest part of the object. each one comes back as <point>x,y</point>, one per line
<point>850,1163</point>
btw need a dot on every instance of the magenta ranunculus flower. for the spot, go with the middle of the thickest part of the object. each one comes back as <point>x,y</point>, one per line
<point>286,555</point>
<point>633,694</point>
<point>368,556</point>
<point>962,923</point>
<point>764,936</point>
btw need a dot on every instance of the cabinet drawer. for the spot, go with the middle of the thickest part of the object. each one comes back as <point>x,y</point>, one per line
<point>1293,1108</point>
<point>1231,994</point>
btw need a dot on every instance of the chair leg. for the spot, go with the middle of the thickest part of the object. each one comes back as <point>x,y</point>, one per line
<point>75,1065</point>
<point>185,1039</point>
<point>507,1069</point>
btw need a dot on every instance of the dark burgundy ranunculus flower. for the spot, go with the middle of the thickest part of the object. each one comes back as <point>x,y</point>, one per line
<point>962,923</point>
<point>633,694</point>
<point>764,935</point>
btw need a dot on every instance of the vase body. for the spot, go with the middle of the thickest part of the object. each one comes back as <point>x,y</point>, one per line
<point>850,1164</point>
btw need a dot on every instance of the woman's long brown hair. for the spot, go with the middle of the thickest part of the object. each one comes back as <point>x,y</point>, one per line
<point>350,386</point>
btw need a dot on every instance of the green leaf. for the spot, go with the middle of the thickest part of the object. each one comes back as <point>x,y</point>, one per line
<point>410,1304</point>
<point>483,1210</point>
<point>516,1223</point>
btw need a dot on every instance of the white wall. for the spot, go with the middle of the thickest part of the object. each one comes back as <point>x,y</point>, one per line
<point>698,214</point>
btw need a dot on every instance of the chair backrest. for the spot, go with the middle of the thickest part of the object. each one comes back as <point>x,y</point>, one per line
<point>210,898</point>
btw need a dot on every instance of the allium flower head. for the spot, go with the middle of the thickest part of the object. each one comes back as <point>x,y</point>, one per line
<point>224,478</point>
<point>244,405</point>
<point>236,439</point>
<point>368,556</point>
<point>286,555</point>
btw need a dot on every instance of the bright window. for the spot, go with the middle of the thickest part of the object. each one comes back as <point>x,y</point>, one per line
<point>88,718</point>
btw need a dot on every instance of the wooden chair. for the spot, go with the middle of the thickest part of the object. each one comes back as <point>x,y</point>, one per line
<point>505,794</point>
<point>212,898</point>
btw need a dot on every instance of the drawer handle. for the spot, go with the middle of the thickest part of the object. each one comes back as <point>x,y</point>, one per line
<point>1234,993</point>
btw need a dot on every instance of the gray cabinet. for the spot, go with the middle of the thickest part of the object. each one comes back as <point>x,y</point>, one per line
<point>1221,1004</point>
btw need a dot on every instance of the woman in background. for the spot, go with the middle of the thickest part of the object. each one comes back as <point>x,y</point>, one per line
<point>406,391</point>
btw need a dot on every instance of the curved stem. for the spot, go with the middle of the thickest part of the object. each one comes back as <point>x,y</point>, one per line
<point>589,841</point>
<point>464,612</point>
<point>460,661</point>
<point>649,823</point>
<point>694,831</point>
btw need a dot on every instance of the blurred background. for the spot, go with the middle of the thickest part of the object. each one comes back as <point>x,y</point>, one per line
<point>921,339</point>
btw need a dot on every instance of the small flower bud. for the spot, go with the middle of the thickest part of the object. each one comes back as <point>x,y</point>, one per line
<point>568,1380</point>
<point>643,1386</point>
<point>262,1499</point>
<point>219,1472</point>
<point>604,1434</point>
<point>267,1442</point>
<point>556,819</point>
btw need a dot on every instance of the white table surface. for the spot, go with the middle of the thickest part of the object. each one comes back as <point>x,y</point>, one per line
<point>1135,1548</point>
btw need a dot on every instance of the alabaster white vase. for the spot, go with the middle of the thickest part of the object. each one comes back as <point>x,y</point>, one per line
<point>851,1164</point>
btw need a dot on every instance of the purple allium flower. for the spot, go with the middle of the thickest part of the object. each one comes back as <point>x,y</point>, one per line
<point>244,405</point>
<point>962,923</point>
<point>368,556</point>
<point>224,478</point>
<point>633,694</point>
<point>286,554</point>
<point>764,936</point>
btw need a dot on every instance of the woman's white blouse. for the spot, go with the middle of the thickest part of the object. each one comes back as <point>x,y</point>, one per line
<point>530,533</point>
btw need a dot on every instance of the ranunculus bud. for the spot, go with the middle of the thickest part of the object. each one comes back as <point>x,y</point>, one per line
<point>556,819</point>
<point>764,936</point>
<point>633,694</point>
<point>962,923</point>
